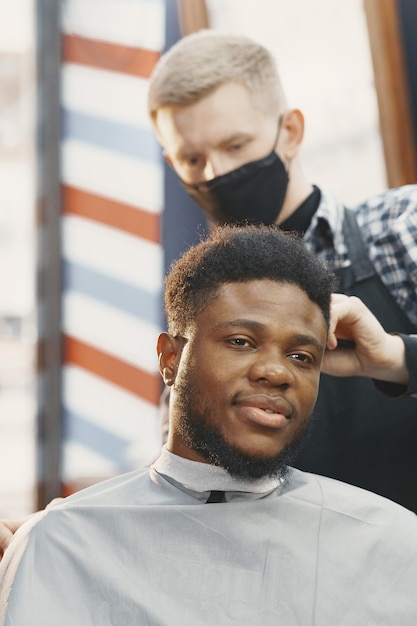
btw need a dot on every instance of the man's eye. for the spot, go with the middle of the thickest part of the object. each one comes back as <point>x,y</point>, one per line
<point>302,358</point>
<point>239,341</point>
<point>237,146</point>
<point>195,161</point>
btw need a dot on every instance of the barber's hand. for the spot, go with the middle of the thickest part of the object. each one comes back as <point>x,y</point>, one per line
<point>375,353</point>
<point>9,527</point>
<point>7,530</point>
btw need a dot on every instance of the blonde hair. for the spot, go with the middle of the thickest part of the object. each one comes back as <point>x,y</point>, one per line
<point>199,63</point>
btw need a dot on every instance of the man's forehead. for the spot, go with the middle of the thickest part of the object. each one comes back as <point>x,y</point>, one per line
<point>224,116</point>
<point>271,310</point>
<point>256,294</point>
<point>264,284</point>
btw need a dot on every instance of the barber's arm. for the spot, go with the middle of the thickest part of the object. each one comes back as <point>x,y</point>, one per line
<point>391,360</point>
<point>391,389</point>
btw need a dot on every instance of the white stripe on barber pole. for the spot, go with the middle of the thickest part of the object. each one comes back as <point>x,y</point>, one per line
<point>80,461</point>
<point>119,21</point>
<point>113,252</point>
<point>106,94</point>
<point>111,330</point>
<point>113,175</point>
<point>116,410</point>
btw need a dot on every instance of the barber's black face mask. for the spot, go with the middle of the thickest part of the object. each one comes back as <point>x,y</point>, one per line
<point>252,194</point>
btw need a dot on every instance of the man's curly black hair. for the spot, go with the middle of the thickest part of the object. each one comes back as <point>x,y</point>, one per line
<point>240,254</point>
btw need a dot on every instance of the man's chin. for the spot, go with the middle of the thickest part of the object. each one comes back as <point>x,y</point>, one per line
<point>249,464</point>
<point>244,465</point>
<point>197,432</point>
<point>255,468</point>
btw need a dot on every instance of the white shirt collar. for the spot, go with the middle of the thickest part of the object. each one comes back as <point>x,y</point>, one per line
<point>203,477</point>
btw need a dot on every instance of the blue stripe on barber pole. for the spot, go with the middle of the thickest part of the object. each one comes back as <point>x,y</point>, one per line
<point>117,293</point>
<point>108,444</point>
<point>117,136</point>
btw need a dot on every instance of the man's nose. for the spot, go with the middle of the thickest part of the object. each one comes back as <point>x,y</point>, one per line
<point>216,166</point>
<point>272,369</point>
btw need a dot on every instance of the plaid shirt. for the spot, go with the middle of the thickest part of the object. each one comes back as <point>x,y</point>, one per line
<point>388,223</point>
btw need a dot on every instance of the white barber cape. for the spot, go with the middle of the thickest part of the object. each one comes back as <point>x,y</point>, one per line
<point>144,549</point>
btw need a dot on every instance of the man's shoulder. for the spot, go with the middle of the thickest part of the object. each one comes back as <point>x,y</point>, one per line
<point>401,198</point>
<point>119,489</point>
<point>344,500</point>
<point>72,518</point>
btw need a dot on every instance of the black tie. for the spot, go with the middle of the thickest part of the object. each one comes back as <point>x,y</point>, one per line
<point>215,496</point>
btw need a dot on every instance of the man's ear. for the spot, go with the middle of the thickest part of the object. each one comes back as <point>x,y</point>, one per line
<point>291,135</point>
<point>169,351</point>
<point>168,159</point>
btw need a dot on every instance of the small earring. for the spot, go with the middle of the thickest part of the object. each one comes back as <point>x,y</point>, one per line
<point>168,376</point>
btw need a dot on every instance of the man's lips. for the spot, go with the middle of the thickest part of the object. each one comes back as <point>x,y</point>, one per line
<point>265,410</point>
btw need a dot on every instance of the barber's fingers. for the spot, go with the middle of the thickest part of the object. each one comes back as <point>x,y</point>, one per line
<point>351,319</point>
<point>6,535</point>
<point>9,527</point>
<point>54,501</point>
<point>342,314</point>
<point>345,309</point>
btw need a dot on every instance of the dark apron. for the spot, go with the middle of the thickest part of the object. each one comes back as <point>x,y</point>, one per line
<point>360,435</point>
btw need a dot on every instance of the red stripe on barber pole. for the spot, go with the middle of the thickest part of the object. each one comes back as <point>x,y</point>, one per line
<point>109,56</point>
<point>111,213</point>
<point>133,379</point>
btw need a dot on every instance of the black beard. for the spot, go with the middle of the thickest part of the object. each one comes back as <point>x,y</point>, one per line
<point>196,431</point>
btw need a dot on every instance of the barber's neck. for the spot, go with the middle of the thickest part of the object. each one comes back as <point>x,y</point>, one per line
<point>298,190</point>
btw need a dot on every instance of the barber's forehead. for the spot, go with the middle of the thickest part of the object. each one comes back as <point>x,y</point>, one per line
<point>227,110</point>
